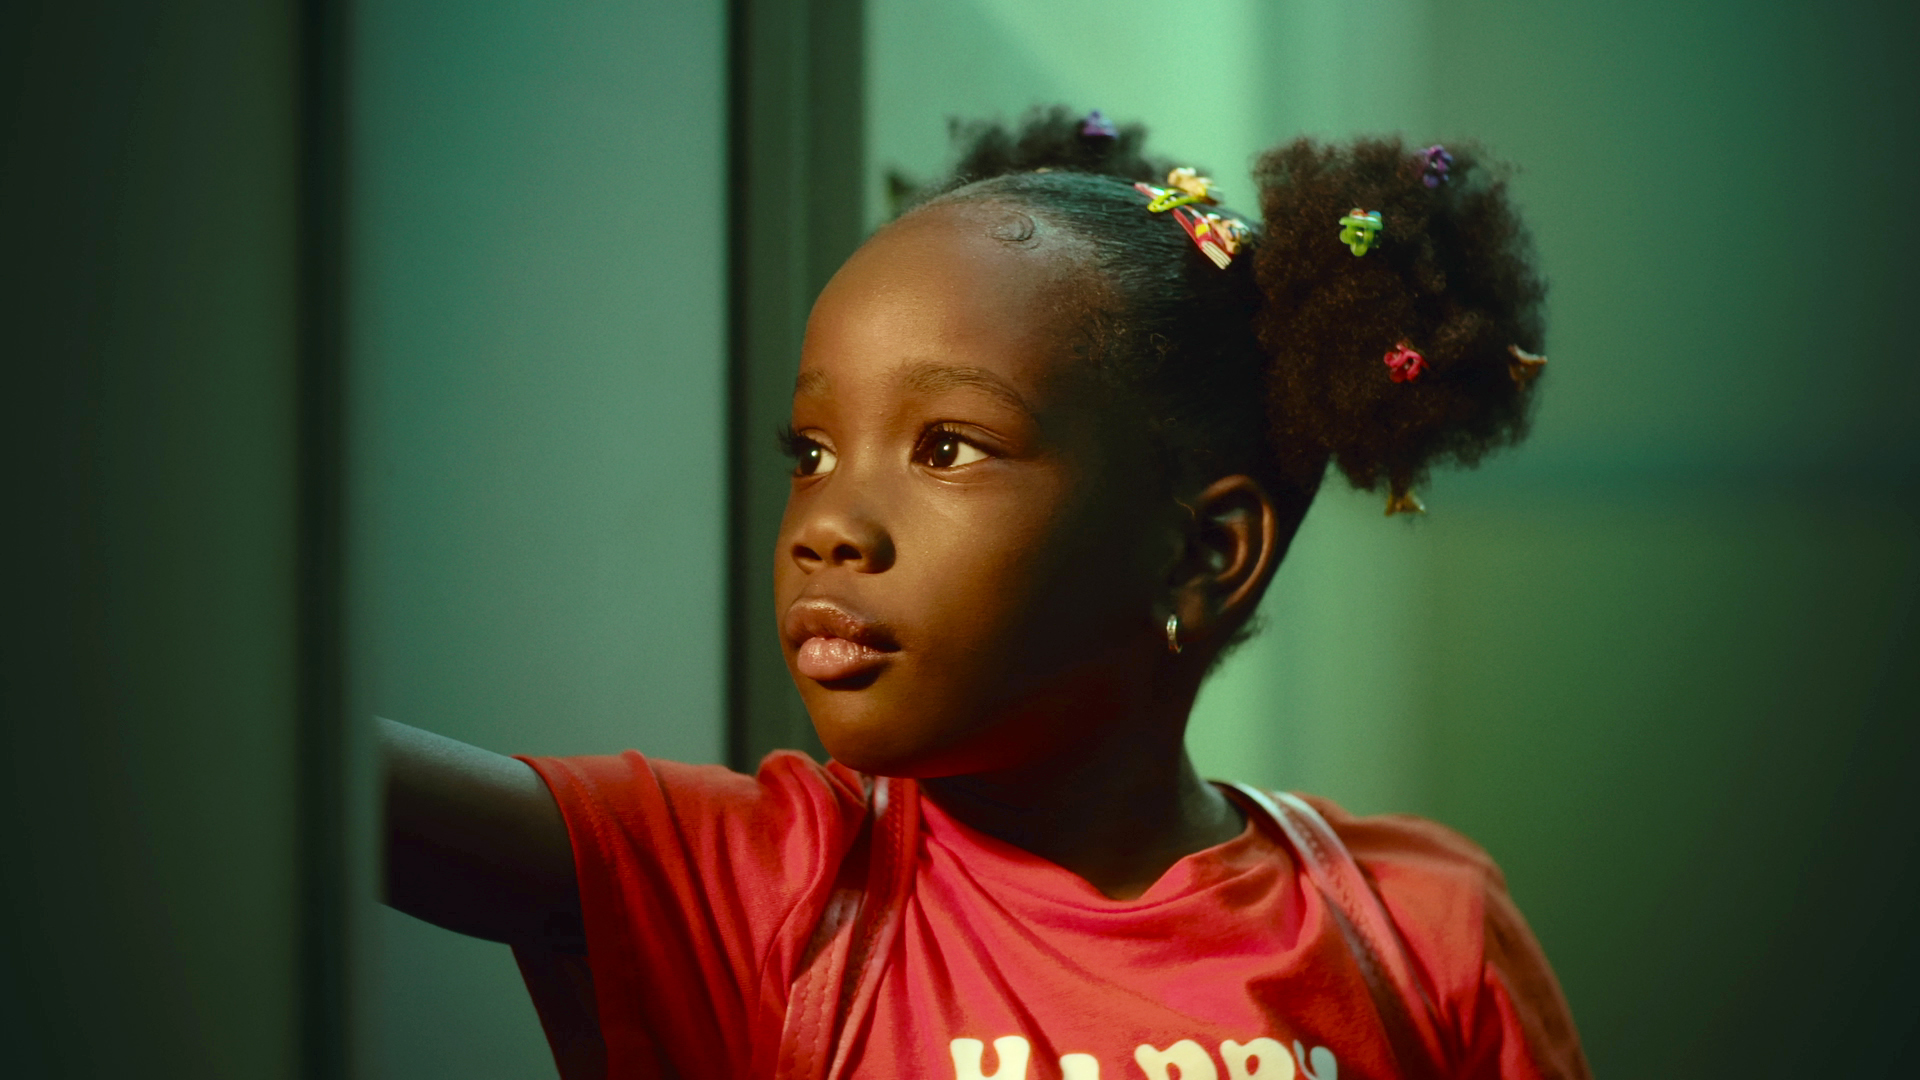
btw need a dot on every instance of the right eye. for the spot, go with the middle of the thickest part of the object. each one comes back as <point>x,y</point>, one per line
<point>812,459</point>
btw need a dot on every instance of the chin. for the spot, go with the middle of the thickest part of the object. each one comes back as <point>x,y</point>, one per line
<point>866,741</point>
<point>904,721</point>
<point>863,731</point>
<point>872,738</point>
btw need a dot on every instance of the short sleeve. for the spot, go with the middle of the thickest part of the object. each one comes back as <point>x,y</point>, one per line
<point>1495,991</point>
<point>1520,989</point>
<point>699,887</point>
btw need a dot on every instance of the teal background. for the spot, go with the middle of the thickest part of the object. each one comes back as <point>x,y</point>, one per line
<point>536,441</point>
<point>1660,660</point>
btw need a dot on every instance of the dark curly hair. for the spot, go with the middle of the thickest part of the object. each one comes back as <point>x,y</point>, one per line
<point>1275,365</point>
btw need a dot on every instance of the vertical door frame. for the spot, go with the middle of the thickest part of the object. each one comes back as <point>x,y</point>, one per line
<point>329,872</point>
<point>797,160</point>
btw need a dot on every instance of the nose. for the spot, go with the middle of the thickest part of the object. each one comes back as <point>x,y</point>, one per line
<point>838,532</point>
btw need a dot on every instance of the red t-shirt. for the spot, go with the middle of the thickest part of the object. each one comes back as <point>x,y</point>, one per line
<point>701,887</point>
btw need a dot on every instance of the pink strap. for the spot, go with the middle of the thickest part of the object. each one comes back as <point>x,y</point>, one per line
<point>832,996</point>
<point>807,1034</point>
<point>1405,1007</point>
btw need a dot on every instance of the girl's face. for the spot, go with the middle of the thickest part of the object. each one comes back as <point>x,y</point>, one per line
<point>972,550</point>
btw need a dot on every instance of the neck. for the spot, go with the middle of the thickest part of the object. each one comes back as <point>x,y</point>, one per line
<point>1118,812</point>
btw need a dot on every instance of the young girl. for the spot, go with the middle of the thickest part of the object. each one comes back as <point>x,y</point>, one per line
<point>1053,431</point>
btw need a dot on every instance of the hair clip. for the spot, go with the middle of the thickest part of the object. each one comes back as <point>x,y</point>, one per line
<point>1438,164</point>
<point>1404,363</point>
<point>1096,128</point>
<point>1184,186</point>
<point>1525,366</point>
<point>1358,229</point>
<point>1404,501</point>
<point>1218,236</point>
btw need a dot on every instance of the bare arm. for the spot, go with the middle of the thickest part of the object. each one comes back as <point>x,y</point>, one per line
<point>475,842</point>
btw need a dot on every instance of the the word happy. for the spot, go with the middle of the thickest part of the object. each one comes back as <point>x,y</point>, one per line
<point>1260,1059</point>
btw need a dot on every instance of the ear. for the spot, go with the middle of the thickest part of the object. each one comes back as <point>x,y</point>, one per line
<point>1233,542</point>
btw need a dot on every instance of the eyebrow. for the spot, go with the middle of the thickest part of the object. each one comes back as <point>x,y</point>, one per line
<point>928,377</point>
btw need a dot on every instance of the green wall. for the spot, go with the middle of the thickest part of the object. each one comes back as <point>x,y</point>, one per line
<point>1675,651</point>
<point>1660,660</point>
<point>151,605</point>
<point>537,425</point>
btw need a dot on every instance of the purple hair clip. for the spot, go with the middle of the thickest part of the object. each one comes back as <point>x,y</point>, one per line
<point>1439,163</point>
<point>1097,128</point>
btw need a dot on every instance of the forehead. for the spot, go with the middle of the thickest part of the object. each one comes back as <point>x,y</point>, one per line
<point>980,285</point>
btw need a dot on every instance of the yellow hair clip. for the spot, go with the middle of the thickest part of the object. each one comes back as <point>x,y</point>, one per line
<point>1184,186</point>
<point>1525,366</point>
<point>1404,501</point>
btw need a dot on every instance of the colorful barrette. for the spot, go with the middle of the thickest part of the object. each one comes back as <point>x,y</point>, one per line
<point>1184,186</point>
<point>1404,501</point>
<point>1097,128</point>
<point>1358,229</point>
<point>1404,363</point>
<point>1438,164</point>
<point>1525,366</point>
<point>1218,236</point>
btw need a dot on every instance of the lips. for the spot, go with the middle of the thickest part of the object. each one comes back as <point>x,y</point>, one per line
<point>833,643</point>
<point>829,659</point>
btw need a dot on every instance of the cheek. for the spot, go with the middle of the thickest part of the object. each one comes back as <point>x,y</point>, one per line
<point>1033,583</point>
<point>1018,616</point>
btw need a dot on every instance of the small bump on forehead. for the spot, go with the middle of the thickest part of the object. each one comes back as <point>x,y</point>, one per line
<point>1007,219</point>
<point>1015,227</point>
<point>996,216</point>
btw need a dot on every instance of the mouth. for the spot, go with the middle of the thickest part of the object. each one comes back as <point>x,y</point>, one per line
<point>833,644</point>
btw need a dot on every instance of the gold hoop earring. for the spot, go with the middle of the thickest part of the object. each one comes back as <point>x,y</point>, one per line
<point>1173,634</point>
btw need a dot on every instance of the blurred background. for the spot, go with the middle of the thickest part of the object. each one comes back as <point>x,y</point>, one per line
<point>413,358</point>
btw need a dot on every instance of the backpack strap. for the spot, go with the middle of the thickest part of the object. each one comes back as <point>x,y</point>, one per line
<point>831,999</point>
<point>1406,1009</point>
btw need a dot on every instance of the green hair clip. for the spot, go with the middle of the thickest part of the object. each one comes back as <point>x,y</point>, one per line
<point>1358,229</point>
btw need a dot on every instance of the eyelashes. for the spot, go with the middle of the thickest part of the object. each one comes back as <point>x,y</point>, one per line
<point>790,443</point>
<point>941,446</point>
<point>809,456</point>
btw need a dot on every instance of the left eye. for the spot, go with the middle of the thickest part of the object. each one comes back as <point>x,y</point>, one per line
<point>944,450</point>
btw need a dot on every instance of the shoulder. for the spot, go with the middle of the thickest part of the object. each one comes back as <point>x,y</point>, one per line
<point>1438,888</point>
<point>1431,877</point>
<point>1490,979</point>
<point>699,888</point>
<point>629,792</point>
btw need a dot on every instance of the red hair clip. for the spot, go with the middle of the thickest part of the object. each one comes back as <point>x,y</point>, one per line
<point>1218,238</point>
<point>1404,364</point>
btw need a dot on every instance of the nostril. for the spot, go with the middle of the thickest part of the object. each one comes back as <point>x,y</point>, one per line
<point>847,553</point>
<point>805,554</point>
